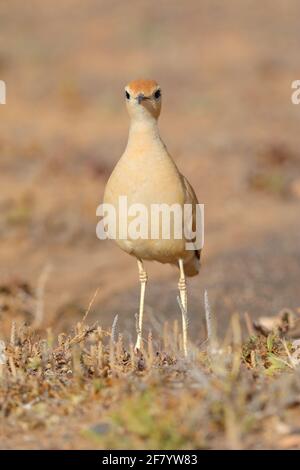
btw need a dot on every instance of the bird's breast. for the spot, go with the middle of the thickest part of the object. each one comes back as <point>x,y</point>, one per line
<point>145,179</point>
<point>139,188</point>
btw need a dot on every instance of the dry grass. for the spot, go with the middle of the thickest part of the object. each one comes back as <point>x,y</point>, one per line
<point>237,394</point>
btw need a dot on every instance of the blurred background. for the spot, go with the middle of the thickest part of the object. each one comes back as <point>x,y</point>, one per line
<point>225,69</point>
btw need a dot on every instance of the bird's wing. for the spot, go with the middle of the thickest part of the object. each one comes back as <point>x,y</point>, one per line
<point>191,198</point>
<point>190,195</point>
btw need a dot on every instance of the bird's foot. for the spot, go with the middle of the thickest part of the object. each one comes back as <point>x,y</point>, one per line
<point>137,351</point>
<point>138,346</point>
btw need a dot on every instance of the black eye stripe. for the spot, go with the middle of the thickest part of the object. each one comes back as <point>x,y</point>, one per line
<point>127,95</point>
<point>157,94</point>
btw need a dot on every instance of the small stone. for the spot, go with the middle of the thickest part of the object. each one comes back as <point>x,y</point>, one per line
<point>100,428</point>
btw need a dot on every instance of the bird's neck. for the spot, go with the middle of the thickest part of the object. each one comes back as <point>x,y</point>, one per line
<point>144,135</point>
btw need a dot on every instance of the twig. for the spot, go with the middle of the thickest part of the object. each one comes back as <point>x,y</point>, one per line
<point>2,353</point>
<point>13,333</point>
<point>293,362</point>
<point>81,336</point>
<point>90,305</point>
<point>210,324</point>
<point>249,324</point>
<point>114,329</point>
<point>40,293</point>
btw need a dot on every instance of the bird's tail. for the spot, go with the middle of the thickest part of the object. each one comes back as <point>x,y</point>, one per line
<point>192,265</point>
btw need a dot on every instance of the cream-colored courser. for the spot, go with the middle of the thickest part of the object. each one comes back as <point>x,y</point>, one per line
<point>146,174</point>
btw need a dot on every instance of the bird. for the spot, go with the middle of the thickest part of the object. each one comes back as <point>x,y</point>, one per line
<point>147,174</point>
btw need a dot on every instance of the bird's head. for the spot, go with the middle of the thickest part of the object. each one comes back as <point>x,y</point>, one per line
<point>143,99</point>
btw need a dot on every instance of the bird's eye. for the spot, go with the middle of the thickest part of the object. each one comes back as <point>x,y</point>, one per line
<point>127,95</point>
<point>157,94</point>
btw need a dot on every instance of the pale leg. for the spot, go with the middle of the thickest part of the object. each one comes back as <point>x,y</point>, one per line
<point>143,281</point>
<point>183,298</point>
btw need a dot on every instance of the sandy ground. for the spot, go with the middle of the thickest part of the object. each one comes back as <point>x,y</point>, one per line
<point>227,119</point>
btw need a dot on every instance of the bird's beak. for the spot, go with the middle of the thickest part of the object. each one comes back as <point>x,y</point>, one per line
<point>140,97</point>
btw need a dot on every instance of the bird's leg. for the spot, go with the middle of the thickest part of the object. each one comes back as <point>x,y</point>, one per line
<point>143,280</point>
<point>183,298</point>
